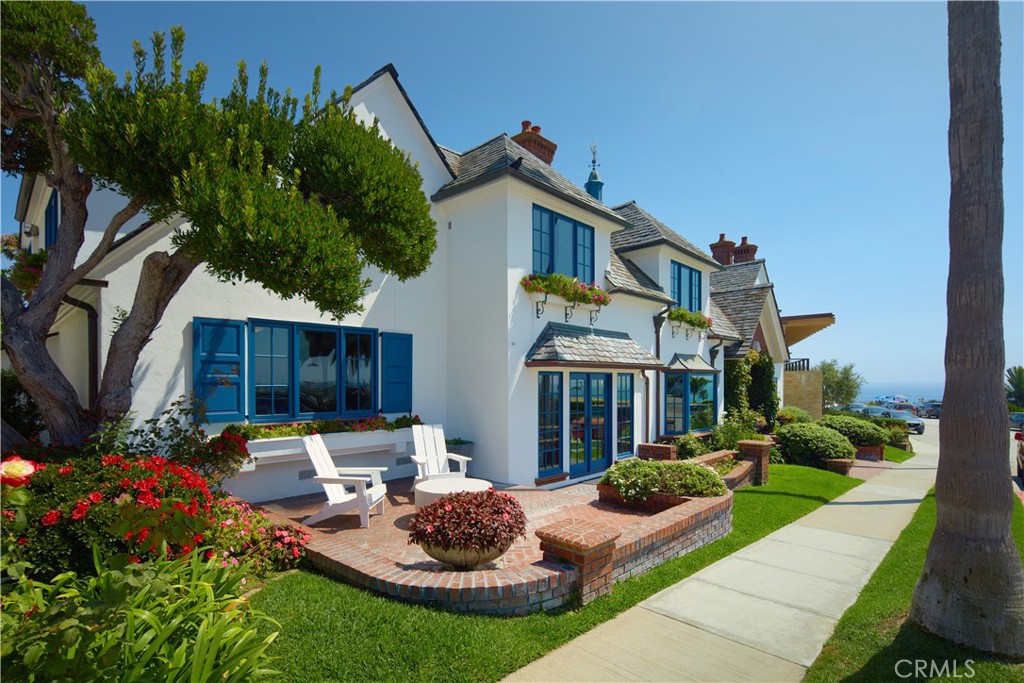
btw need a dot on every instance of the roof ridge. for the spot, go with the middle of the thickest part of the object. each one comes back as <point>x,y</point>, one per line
<point>482,144</point>
<point>619,206</point>
<point>770,285</point>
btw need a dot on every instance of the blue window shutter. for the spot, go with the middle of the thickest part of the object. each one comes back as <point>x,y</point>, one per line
<point>52,220</point>
<point>676,284</point>
<point>218,365</point>
<point>584,253</point>
<point>695,293</point>
<point>396,372</point>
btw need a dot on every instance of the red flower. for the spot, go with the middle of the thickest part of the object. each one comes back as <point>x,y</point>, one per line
<point>134,560</point>
<point>65,470</point>
<point>295,552</point>
<point>80,511</point>
<point>51,517</point>
<point>108,460</point>
<point>142,534</point>
<point>22,540</point>
<point>95,497</point>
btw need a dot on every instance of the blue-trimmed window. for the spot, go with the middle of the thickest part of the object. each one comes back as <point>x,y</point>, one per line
<point>301,371</point>
<point>562,245</point>
<point>691,403</point>
<point>549,423</point>
<point>624,415</point>
<point>51,220</point>
<point>686,287</point>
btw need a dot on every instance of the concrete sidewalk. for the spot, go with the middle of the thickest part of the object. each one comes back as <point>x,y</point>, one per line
<point>762,613</point>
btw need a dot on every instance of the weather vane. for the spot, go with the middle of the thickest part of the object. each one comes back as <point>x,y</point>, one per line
<point>593,154</point>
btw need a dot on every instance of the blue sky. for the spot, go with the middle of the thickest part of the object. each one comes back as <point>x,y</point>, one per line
<point>816,129</point>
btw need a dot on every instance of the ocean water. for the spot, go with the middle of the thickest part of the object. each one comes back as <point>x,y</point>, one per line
<point>914,391</point>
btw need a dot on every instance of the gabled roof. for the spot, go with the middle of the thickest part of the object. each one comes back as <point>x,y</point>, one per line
<point>393,72</point>
<point>454,159</point>
<point>560,344</point>
<point>743,308</point>
<point>736,276</point>
<point>501,156</point>
<point>645,230</point>
<point>721,326</point>
<point>625,276</point>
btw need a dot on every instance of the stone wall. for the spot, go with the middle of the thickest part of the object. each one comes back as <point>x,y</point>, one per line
<point>802,388</point>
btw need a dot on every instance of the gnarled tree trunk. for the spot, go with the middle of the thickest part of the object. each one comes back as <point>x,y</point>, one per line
<point>972,588</point>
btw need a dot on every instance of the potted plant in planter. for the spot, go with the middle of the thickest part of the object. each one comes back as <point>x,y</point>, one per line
<point>459,446</point>
<point>808,443</point>
<point>468,528</point>
<point>867,438</point>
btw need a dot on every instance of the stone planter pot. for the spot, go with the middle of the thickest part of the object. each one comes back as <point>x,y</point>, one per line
<point>464,559</point>
<point>658,502</point>
<point>839,465</point>
<point>465,449</point>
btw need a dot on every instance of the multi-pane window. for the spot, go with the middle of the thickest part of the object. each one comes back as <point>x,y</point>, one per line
<point>318,370</point>
<point>690,403</point>
<point>624,408</point>
<point>549,423</point>
<point>686,287</point>
<point>271,374</point>
<point>702,401</point>
<point>562,245</point>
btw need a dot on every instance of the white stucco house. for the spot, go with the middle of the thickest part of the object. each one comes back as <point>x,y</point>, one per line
<point>546,391</point>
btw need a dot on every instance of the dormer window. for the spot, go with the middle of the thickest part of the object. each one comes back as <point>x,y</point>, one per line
<point>686,287</point>
<point>562,245</point>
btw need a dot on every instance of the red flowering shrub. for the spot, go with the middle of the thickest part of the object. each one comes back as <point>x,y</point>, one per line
<point>241,534</point>
<point>123,505</point>
<point>469,520</point>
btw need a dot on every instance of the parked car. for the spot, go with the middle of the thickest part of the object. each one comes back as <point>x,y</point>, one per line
<point>1020,456</point>
<point>930,409</point>
<point>1017,421</point>
<point>901,405</point>
<point>874,411</point>
<point>854,407</point>
<point>914,423</point>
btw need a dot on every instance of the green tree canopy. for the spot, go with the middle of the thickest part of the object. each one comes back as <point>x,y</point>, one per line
<point>840,384</point>
<point>298,202</point>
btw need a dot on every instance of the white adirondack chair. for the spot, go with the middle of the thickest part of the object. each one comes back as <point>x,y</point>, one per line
<point>369,489</point>
<point>432,456</point>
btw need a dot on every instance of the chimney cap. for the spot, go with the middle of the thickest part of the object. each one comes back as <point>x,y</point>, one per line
<point>526,125</point>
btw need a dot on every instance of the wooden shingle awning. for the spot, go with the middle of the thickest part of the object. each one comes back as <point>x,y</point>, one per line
<point>796,328</point>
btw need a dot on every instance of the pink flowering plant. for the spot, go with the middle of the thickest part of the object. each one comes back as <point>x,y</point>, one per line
<point>691,318</point>
<point>469,520</point>
<point>568,288</point>
<point>26,268</point>
<point>368,424</point>
<point>242,535</point>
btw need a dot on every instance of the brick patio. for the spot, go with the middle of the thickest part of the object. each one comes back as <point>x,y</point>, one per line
<point>522,580</point>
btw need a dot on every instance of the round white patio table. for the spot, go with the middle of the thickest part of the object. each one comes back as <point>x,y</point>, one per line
<point>430,490</point>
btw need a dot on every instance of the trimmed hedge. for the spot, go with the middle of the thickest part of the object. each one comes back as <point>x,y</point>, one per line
<point>807,443</point>
<point>859,432</point>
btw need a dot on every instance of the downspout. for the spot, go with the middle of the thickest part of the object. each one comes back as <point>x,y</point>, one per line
<point>647,403</point>
<point>659,322</point>
<point>92,345</point>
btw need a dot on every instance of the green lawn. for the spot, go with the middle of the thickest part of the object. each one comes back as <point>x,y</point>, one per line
<point>332,632</point>
<point>871,637</point>
<point>897,454</point>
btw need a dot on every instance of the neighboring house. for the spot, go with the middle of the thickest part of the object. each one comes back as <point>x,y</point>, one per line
<point>547,391</point>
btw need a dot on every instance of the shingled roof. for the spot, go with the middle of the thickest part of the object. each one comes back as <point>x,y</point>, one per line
<point>645,230</point>
<point>560,344</point>
<point>743,308</point>
<point>736,276</point>
<point>721,326</point>
<point>625,276</point>
<point>504,156</point>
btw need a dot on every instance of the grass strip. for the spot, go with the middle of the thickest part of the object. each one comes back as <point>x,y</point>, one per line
<point>331,631</point>
<point>871,638</point>
<point>897,454</point>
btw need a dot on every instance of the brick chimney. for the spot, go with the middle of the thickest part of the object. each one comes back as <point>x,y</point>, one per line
<point>744,253</point>
<point>540,146</point>
<point>721,250</point>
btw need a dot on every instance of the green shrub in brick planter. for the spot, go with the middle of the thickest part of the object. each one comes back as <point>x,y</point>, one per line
<point>656,485</point>
<point>867,438</point>
<point>807,443</point>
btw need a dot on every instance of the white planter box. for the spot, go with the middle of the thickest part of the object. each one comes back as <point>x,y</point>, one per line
<point>280,467</point>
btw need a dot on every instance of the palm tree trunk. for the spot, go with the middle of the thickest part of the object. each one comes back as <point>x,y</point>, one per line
<point>972,588</point>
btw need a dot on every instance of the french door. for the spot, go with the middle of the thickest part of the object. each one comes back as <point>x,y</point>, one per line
<point>590,422</point>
